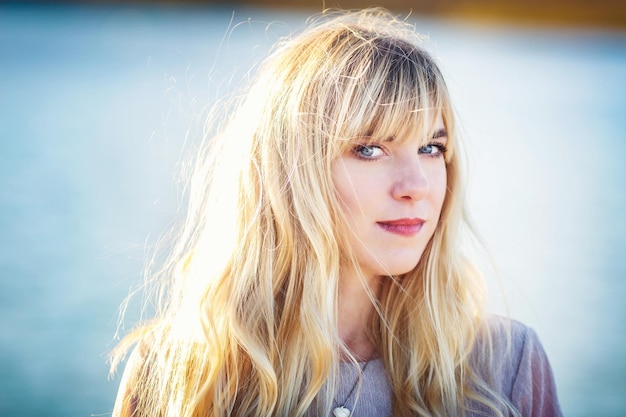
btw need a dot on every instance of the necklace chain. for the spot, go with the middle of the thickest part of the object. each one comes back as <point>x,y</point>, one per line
<point>341,410</point>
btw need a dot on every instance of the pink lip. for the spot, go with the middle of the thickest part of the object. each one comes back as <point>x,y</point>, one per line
<point>402,227</point>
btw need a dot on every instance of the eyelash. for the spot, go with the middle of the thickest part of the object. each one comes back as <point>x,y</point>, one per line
<point>442,149</point>
<point>358,148</point>
<point>440,146</point>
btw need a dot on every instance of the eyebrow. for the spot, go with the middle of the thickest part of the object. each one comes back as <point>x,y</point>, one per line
<point>441,133</point>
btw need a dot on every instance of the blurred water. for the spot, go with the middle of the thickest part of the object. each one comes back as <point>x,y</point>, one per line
<point>97,105</point>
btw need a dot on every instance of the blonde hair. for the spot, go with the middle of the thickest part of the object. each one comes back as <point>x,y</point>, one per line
<point>247,319</point>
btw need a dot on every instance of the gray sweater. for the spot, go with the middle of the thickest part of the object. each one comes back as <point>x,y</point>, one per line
<point>525,378</point>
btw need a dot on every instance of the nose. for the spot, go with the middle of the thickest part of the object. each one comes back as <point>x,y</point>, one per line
<point>411,181</point>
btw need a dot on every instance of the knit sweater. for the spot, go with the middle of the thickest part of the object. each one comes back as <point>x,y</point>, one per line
<point>524,378</point>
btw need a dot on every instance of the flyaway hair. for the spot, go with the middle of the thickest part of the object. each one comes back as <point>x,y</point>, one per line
<point>247,324</point>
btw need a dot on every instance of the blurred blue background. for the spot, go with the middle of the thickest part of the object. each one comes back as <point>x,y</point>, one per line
<point>99,106</point>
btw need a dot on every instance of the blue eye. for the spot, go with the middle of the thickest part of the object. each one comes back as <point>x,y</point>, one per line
<point>433,149</point>
<point>368,151</point>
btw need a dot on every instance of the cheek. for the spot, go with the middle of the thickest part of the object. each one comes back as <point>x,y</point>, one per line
<point>353,188</point>
<point>438,188</point>
<point>344,188</point>
<point>443,188</point>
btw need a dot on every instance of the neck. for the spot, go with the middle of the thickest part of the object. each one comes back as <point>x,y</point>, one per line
<point>355,311</point>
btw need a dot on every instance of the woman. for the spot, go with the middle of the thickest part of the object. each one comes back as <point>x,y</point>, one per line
<point>321,270</point>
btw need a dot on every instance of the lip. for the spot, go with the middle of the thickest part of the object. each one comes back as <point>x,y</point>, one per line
<point>403,227</point>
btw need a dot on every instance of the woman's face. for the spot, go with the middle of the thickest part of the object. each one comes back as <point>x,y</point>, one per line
<point>392,193</point>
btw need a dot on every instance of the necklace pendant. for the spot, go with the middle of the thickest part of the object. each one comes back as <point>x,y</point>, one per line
<point>341,412</point>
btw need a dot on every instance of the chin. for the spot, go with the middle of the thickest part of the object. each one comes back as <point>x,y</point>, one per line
<point>400,269</point>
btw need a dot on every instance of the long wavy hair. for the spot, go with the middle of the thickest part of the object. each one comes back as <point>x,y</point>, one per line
<point>246,323</point>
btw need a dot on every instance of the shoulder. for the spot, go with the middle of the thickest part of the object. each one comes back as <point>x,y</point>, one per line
<point>134,373</point>
<point>498,351</point>
<point>510,356</point>
<point>507,337</point>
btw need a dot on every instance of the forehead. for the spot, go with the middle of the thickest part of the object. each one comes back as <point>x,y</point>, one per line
<point>438,123</point>
<point>398,106</point>
<point>421,127</point>
<point>382,88</point>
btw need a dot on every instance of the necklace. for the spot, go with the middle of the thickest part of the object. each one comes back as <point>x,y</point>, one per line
<point>341,410</point>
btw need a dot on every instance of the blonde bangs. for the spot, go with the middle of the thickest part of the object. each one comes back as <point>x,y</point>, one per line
<point>386,89</point>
